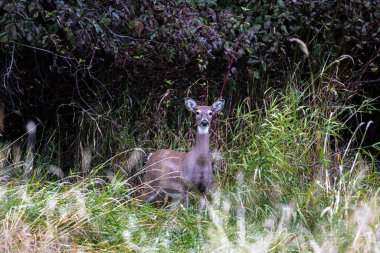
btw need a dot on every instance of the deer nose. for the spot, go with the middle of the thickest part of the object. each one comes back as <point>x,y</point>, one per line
<point>204,122</point>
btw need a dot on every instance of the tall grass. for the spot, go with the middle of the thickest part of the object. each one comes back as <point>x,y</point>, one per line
<point>288,182</point>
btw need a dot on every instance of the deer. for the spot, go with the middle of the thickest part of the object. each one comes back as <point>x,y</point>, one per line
<point>171,174</point>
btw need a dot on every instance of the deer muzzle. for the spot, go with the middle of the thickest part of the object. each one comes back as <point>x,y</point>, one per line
<point>204,122</point>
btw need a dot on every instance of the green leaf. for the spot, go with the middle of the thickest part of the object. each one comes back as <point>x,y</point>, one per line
<point>105,21</point>
<point>29,37</point>
<point>114,14</point>
<point>53,28</point>
<point>4,37</point>
<point>31,7</point>
<point>97,27</point>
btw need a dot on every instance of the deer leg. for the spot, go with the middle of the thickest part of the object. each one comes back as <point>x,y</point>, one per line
<point>175,203</point>
<point>175,200</point>
<point>186,198</point>
<point>166,200</point>
<point>152,197</point>
<point>202,202</point>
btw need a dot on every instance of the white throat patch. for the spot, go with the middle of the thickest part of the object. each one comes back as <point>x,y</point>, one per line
<point>203,130</point>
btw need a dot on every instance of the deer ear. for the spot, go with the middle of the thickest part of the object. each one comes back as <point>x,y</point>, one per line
<point>190,104</point>
<point>218,105</point>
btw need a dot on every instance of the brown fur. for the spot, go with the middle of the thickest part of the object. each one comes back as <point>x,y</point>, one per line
<point>168,177</point>
<point>172,173</point>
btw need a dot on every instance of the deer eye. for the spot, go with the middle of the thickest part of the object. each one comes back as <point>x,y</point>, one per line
<point>210,113</point>
<point>197,112</point>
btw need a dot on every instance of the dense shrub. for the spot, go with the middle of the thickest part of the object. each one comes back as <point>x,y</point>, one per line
<point>62,57</point>
<point>163,35</point>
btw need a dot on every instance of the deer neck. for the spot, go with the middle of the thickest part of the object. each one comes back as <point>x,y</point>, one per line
<point>202,143</point>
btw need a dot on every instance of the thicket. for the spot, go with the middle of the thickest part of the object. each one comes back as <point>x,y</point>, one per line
<point>100,78</point>
<point>118,69</point>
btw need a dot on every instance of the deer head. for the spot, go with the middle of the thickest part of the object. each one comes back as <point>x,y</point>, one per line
<point>203,113</point>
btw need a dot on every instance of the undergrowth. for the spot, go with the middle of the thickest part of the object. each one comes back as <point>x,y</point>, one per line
<point>285,181</point>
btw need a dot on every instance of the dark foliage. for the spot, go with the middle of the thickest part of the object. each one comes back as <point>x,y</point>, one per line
<point>61,57</point>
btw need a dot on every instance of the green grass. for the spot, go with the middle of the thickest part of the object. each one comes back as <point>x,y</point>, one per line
<point>285,182</point>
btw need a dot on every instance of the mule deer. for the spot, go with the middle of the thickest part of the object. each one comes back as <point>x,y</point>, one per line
<point>173,174</point>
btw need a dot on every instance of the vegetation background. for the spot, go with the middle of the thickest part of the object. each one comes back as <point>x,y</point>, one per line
<point>296,150</point>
